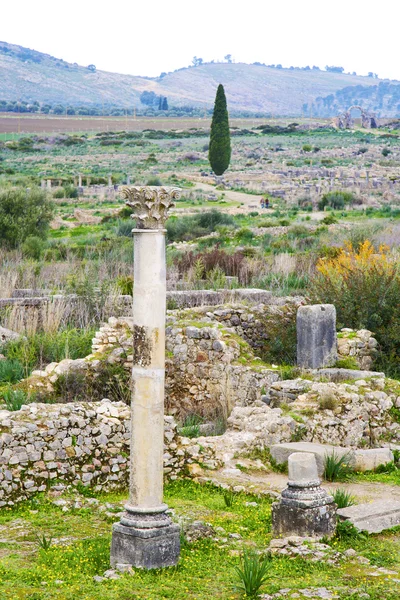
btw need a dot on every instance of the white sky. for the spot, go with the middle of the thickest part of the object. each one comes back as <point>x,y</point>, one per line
<point>152,36</point>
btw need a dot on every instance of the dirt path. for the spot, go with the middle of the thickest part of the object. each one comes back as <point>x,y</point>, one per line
<point>262,482</point>
<point>250,201</point>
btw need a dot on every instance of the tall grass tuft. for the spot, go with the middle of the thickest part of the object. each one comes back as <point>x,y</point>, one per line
<point>343,499</point>
<point>336,468</point>
<point>191,426</point>
<point>11,371</point>
<point>14,399</point>
<point>252,574</point>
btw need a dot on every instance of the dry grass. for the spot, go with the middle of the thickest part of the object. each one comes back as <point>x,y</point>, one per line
<point>284,264</point>
<point>8,280</point>
<point>28,320</point>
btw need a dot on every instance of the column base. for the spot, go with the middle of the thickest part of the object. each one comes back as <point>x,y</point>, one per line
<point>146,547</point>
<point>305,510</point>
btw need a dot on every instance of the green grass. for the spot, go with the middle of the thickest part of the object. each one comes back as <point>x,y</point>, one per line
<point>36,351</point>
<point>207,568</point>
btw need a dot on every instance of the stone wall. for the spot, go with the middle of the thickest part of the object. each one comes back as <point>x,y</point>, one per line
<point>81,443</point>
<point>255,323</point>
<point>207,370</point>
<point>202,376</point>
<point>358,344</point>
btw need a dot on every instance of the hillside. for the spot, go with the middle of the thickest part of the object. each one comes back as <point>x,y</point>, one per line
<point>29,75</point>
<point>382,99</point>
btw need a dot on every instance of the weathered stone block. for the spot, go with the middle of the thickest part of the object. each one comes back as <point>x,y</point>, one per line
<point>315,522</point>
<point>316,336</point>
<point>146,548</point>
<point>358,459</point>
<point>373,517</point>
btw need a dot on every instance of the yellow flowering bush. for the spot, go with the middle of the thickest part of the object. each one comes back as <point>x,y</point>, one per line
<point>364,285</point>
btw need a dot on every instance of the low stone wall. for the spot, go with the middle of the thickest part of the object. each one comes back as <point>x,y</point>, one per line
<point>358,344</point>
<point>254,324</point>
<point>122,304</point>
<point>81,443</point>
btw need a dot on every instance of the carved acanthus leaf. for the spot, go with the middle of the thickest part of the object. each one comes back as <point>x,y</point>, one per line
<point>150,204</point>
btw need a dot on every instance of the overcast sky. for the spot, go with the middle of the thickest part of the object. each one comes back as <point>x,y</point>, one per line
<point>151,36</point>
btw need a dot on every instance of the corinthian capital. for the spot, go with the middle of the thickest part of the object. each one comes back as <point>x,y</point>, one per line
<point>150,204</point>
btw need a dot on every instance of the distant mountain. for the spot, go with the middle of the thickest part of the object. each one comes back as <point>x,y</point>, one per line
<point>31,76</point>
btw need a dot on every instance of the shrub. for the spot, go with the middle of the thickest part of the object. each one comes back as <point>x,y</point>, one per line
<point>337,200</point>
<point>154,180</point>
<point>343,498</point>
<point>364,286</point>
<point>22,214</point>
<point>357,236</point>
<point>33,247</point>
<point>307,148</point>
<point>335,468</point>
<point>328,402</point>
<point>60,193</point>
<point>329,220</point>
<point>124,228</point>
<point>125,285</point>
<point>345,531</point>
<point>252,573</point>
<point>188,228</point>
<point>71,191</point>
<point>11,371</point>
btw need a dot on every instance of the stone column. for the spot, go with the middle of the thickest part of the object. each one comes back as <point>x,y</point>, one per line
<point>145,536</point>
<point>80,180</point>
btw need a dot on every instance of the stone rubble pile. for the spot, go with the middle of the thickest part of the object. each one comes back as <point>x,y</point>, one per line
<point>356,414</point>
<point>358,344</point>
<point>306,547</point>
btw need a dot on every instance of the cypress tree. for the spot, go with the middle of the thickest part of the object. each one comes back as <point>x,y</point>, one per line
<point>219,153</point>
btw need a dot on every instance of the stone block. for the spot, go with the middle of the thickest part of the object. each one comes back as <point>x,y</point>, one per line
<point>373,517</point>
<point>316,336</point>
<point>369,460</point>
<point>359,460</point>
<point>317,522</point>
<point>281,452</point>
<point>153,548</point>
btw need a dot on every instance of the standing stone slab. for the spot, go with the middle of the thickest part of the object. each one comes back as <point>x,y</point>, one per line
<point>146,537</point>
<point>305,509</point>
<point>316,336</point>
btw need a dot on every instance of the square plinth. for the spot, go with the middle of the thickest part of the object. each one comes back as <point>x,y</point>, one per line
<point>314,522</point>
<point>147,548</point>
